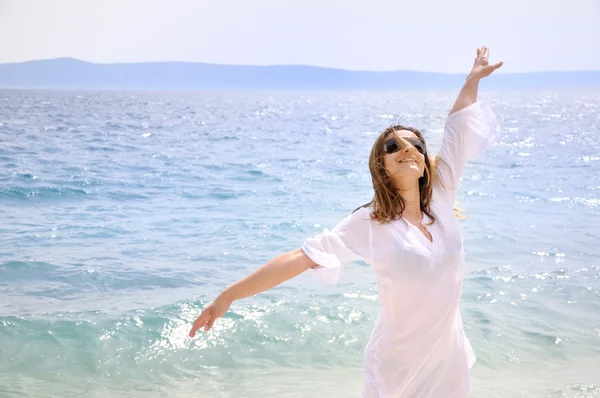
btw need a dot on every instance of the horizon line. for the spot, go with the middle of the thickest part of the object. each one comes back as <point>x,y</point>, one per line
<point>285,65</point>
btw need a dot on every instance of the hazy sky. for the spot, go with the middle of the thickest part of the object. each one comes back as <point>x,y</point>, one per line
<point>437,35</point>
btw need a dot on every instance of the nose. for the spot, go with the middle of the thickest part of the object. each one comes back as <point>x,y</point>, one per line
<point>406,149</point>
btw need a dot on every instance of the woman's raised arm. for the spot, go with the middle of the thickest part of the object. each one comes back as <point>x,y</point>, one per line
<point>481,68</point>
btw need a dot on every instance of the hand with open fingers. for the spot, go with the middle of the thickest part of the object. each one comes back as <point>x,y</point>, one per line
<point>481,66</point>
<point>207,318</point>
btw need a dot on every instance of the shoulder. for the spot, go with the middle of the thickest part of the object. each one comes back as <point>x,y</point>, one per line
<point>358,218</point>
<point>362,213</point>
<point>361,223</point>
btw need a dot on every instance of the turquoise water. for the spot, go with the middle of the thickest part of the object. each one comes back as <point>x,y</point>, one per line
<point>124,213</point>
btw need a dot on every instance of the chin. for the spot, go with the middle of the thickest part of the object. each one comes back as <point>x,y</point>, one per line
<point>411,175</point>
<point>412,172</point>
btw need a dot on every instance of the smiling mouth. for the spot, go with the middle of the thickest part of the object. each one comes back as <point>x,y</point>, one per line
<point>408,160</point>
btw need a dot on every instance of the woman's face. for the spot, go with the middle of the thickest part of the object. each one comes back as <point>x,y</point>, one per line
<point>407,164</point>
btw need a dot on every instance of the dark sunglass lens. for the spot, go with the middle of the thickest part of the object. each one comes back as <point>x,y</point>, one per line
<point>390,146</point>
<point>417,144</point>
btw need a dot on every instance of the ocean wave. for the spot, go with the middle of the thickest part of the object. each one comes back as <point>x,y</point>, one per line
<point>41,193</point>
<point>271,333</point>
<point>42,278</point>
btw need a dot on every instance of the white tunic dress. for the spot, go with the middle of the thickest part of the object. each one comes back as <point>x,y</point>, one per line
<point>418,348</point>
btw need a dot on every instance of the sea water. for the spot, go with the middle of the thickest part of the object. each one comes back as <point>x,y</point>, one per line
<point>125,213</point>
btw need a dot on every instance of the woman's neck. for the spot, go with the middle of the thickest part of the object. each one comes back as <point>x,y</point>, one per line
<point>412,204</point>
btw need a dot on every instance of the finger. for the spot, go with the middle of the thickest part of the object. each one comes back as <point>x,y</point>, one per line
<point>200,321</point>
<point>197,325</point>
<point>209,324</point>
<point>486,52</point>
<point>478,52</point>
<point>498,65</point>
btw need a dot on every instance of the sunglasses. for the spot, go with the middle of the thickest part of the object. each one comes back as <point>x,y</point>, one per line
<point>392,146</point>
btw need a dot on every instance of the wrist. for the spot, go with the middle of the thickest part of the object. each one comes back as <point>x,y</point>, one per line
<point>227,295</point>
<point>474,77</point>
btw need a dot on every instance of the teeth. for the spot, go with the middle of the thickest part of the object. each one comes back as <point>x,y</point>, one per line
<point>408,160</point>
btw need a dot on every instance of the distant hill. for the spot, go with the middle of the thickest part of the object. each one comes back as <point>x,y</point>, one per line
<point>69,73</point>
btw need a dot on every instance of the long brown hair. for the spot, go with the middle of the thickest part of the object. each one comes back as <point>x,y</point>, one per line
<point>388,204</point>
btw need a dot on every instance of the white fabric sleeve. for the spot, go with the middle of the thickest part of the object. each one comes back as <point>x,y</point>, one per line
<point>467,133</point>
<point>350,240</point>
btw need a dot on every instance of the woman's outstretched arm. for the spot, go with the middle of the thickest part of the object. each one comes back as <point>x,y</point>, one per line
<point>481,68</point>
<point>278,270</point>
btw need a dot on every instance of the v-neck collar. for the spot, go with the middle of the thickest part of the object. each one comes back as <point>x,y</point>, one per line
<point>420,233</point>
<point>437,230</point>
<point>425,220</point>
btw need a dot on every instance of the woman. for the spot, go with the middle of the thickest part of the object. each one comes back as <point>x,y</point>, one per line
<point>410,236</point>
